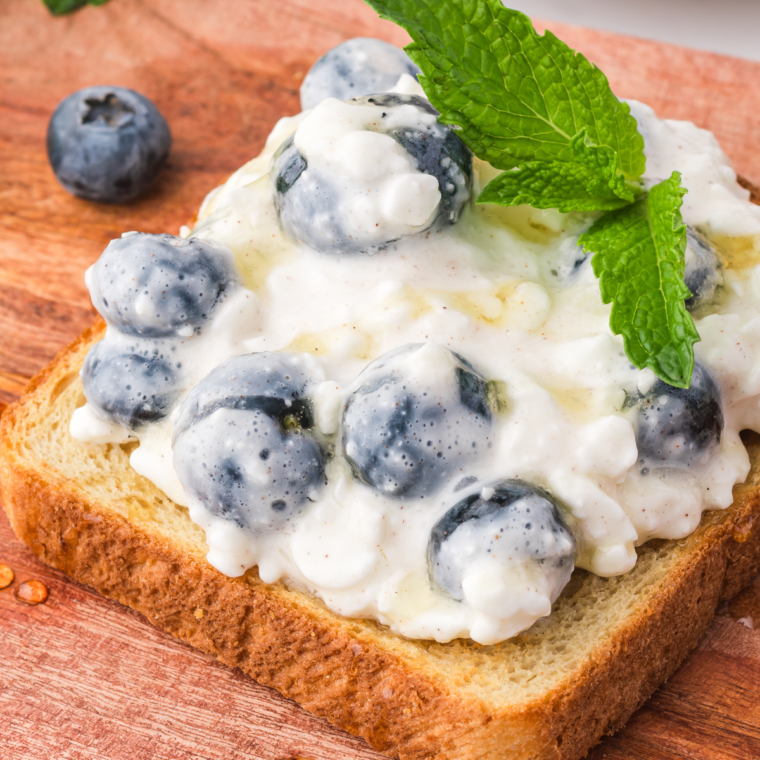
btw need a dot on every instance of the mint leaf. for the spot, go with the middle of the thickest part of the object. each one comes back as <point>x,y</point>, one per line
<point>590,183</point>
<point>639,261</point>
<point>62,7</point>
<point>516,95</point>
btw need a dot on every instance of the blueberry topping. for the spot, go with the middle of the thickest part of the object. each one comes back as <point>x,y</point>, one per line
<point>107,144</point>
<point>517,524</point>
<point>436,150</point>
<point>244,441</point>
<point>132,388</point>
<point>406,432</point>
<point>314,203</point>
<point>679,425</point>
<point>354,68</point>
<point>160,285</point>
<point>272,382</point>
<point>703,271</point>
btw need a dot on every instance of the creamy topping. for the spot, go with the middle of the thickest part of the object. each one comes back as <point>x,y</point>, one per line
<point>508,291</point>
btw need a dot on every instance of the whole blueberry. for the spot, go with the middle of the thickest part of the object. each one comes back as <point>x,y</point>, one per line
<point>678,425</point>
<point>417,417</point>
<point>130,387</point>
<point>311,201</point>
<point>569,263</point>
<point>513,523</point>
<point>160,285</point>
<point>356,67</point>
<point>703,270</point>
<point>437,150</point>
<point>273,382</point>
<point>107,144</point>
<point>244,443</point>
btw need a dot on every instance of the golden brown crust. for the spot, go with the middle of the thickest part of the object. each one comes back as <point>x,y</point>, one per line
<point>342,672</point>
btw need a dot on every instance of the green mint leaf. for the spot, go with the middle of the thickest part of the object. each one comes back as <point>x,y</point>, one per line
<point>639,260</point>
<point>62,7</point>
<point>517,96</point>
<point>590,183</point>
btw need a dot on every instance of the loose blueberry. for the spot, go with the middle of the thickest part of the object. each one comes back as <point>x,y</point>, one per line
<point>517,524</point>
<point>160,285</point>
<point>309,200</point>
<point>244,442</point>
<point>679,425</point>
<point>131,388</point>
<point>354,68</point>
<point>107,144</point>
<point>703,271</point>
<point>406,432</point>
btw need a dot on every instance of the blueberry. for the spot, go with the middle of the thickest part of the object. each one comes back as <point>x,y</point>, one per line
<point>570,262</point>
<point>517,524</point>
<point>160,285</point>
<point>244,443</point>
<point>131,388</point>
<point>437,150</point>
<point>273,382</point>
<point>703,270</point>
<point>107,143</point>
<point>677,425</point>
<point>356,67</point>
<point>408,428</point>
<point>312,202</point>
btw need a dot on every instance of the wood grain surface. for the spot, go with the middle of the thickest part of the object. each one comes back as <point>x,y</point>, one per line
<point>82,677</point>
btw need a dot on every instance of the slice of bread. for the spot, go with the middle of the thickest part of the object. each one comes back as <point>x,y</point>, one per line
<point>549,693</point>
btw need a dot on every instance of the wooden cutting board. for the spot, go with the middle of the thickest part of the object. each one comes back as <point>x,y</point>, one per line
<point>82,677</point>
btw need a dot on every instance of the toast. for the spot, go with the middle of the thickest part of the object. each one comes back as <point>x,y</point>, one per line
<point>551,692</point>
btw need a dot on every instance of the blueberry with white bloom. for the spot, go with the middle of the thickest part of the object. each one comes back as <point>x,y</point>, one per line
<point>157,286</point>
<point>417,418</point>
<point>107,143</point>
<point>511,526</point>
<point>679,426</point>
<point>133,386</point>
<point>356,67</point>
<point>244,441</point>
<point>400,174</point>
<point>703,270</point>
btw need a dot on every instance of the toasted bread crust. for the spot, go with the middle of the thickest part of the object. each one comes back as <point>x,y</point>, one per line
<point>344,671</point>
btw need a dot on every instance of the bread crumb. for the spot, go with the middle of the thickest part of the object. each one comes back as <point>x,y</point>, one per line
<point>198,613</point>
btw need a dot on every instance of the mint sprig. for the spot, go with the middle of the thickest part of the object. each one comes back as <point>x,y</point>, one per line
<point>640,265</point>
<point>532,106</point>
<point>62,7</point>
<point>516,95</point>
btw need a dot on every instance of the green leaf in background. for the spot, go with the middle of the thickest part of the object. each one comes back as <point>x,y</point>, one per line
<point>516,95</point>
<point>639,260</point>
<point>590,183</point>
<point>62,7</point>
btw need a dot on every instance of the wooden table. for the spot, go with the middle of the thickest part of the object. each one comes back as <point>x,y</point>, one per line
<point>81,677</point>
